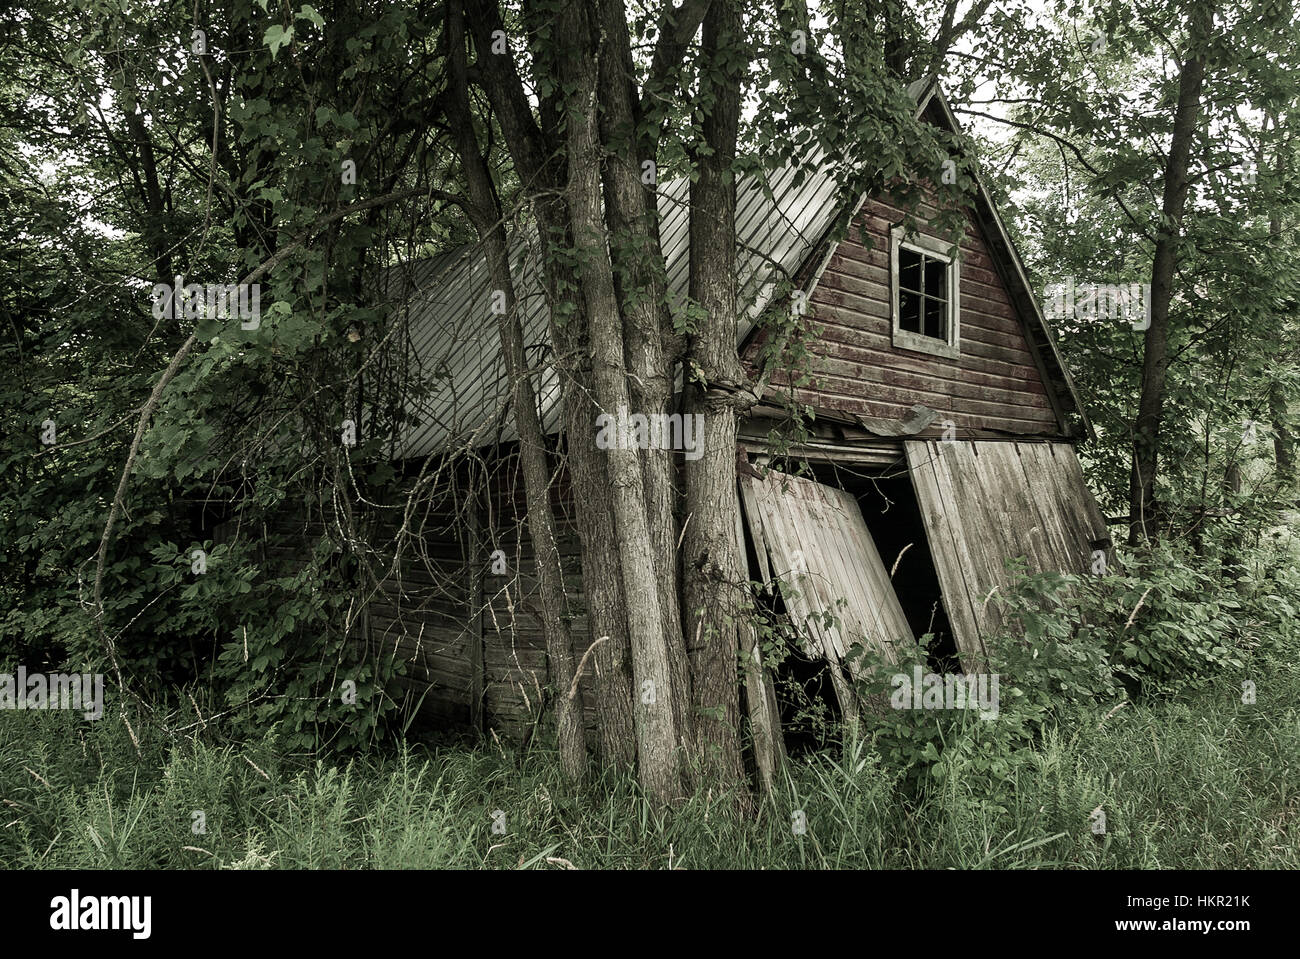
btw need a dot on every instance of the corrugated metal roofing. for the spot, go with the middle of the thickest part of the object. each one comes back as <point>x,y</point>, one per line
<point>458,388</point>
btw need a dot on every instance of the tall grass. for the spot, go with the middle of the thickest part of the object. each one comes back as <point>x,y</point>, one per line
<point>1203,782</point>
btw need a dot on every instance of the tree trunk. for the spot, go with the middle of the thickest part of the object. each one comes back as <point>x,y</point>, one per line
<point>484,209</point>
<point>714,570</point>
<point>1232,567</point>
<point>602,583</point>
<point>1283,441</point>
<point>1144,520</point>
<point>641,284</point>
<point>1279,414</point>
<point>539,159</point>
<point>655,726</point>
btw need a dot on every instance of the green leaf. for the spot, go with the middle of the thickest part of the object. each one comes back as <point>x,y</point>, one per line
<point>309,13</point>
<point>277,37</point>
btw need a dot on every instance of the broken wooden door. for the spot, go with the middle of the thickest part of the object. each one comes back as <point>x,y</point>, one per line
<point>986,502</point>
<point>817,542</point>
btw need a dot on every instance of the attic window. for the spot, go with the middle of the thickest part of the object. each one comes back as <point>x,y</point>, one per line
<point>925,306</point>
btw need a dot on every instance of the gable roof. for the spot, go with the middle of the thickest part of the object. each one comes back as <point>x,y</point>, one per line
<point>453,350</point>
<point>1011,268</point>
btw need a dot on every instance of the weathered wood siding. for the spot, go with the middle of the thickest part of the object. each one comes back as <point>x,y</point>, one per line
<point>421,614</point>
<point>431,612</point>
<point>471,642</point>
<point>985,503</point>
<point>994,384</point>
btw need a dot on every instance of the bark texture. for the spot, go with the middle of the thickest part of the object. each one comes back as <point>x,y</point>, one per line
<point>714,570</point>
<point>1144,518</point>
<point>538,156</point>
<point>657,753</point>
<point>631,212</point>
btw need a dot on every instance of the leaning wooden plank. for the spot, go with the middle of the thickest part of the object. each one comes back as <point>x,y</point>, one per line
<point>787,551</point>
<point>1065,550</point>
<point>1072,474</point>
<point>800,519</point>
<point>951,559</point>
<point>1010,524</point>
<point>806,602</point>
<point>754,517</point>
<point>855,569</point>
<point>853,620</point>
<point>761,709</point>
<point>817,534</point>
<point>802,513</point>
<point>992,523</point>
<point>853,552</point>
<point>1044,538</point>
<point>876,580</point>
<point>787,554</point>
<point>992,501</point>
<point>1062,509</point>
<point>1052,535</point>
<point>1076,501</point>
<point>982,523</point>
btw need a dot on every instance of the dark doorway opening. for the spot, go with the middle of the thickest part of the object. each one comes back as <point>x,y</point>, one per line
<point>893,517</point>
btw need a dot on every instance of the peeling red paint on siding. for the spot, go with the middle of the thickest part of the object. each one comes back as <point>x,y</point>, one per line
<point>993,385</point>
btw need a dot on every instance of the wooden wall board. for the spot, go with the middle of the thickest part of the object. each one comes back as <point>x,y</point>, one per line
<point>984,503</point>
<point>995,383</point>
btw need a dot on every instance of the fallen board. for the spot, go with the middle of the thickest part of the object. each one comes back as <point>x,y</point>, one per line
<point>822,553</point>
<point>985,503</point>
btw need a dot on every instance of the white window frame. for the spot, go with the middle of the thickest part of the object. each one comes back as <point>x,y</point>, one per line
<point>918,342</point>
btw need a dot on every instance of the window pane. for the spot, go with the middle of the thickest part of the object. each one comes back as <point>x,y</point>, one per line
<point>909,311</point>
<point>909,270</point>
<point>936,279</point>
<point>935,311</point>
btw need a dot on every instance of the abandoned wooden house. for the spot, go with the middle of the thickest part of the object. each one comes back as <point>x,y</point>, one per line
<point>943,444</point>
